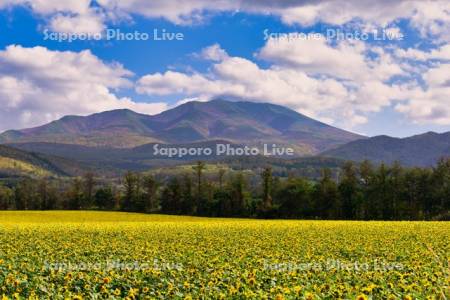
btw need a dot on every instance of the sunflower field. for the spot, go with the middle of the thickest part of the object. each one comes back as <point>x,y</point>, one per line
<point>110,255</point>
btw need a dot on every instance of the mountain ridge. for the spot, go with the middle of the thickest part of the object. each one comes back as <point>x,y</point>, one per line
<point>417,150</point>
<point>239,122</point>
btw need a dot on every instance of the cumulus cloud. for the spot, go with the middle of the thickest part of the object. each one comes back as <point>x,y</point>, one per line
<point>339,84</point>
<point>431,18</point>
<point>214,53</point>
<point>176,11</point>
<point>304,12</point>
<point>70,16</point>
<point>347,60</point>
<point>439,53</point>
<point>83,23</point>
<point>50,6</point>
<point>430,104</point>
<point>38,85</point>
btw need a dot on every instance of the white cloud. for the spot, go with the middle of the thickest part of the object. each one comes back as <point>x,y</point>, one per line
<point>47,7</point>
<point>316,56</point>
<point>339,84</point>
<point>326,98</point>
<point>70,16</point>
<point>52,6</point>
<point>431,18</point>
<point>214,53</point>
<point>38,85</point>
<point>176,11</point>
<point>298,11</point>
<point>439,76</point>
<point>83,23</point>
<point>439,53</point>
<point>370,76</point>
<point>432,103</point>
<point>411,53</point>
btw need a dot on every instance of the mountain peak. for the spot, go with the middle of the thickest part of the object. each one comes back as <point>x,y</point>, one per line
<point>430,133</point>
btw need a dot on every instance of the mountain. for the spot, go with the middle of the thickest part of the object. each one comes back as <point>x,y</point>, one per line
<point>18,163</point>
<point>418,150</point>
<point>244,123</point>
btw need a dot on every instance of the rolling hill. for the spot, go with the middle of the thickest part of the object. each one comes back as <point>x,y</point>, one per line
<point>116,161</point>
<point>244,123</point>
<point>419,150</point>
<point>18,163</point>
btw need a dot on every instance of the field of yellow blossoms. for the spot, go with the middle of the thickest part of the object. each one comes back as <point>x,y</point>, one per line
<point>101,255</point>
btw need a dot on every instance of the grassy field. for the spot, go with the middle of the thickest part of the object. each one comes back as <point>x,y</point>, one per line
<point>100,255</point>
<point>15,166</point>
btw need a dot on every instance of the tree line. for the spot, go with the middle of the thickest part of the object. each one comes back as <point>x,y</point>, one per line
<point>359,192</point>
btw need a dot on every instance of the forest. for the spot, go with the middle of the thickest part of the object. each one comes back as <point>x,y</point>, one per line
<point>363,191</point>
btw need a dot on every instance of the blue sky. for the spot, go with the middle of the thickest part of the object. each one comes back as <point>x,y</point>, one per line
<point>397,87</point>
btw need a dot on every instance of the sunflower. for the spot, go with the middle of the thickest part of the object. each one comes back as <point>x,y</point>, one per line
<point>103,289</point>
<point>361,297</point>
<point>252,281</point>
<point>309,296</point>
